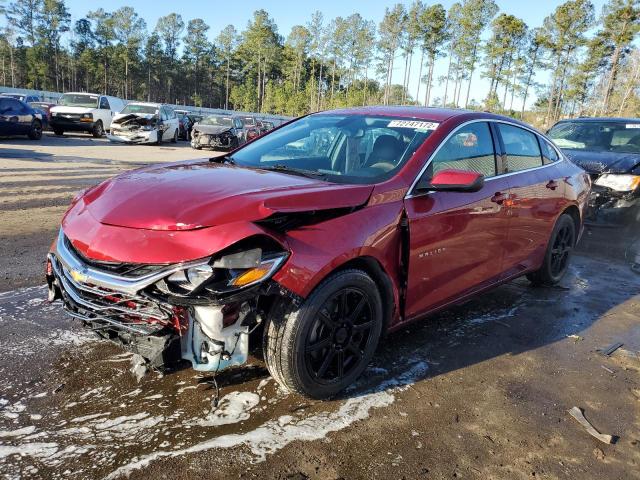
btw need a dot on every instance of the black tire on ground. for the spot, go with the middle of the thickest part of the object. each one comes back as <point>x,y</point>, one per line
<point>322,346</point>
<point>558,254</point>
<point>98,129</point>
<point>58,131</point>
<point>175,137</point>
<point>36,130</point>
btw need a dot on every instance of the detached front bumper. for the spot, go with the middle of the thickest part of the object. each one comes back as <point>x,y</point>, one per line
<point>117,307</point>
<point>134,136</point>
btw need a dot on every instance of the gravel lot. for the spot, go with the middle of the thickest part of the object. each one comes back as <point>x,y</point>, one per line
<point>481,391</point>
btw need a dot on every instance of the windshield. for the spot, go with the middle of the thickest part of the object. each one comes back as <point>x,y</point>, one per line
<point>14,95</point>
<point>79,100</point>
<point>248,121</point>
<point>339,148</point>
<point>622,137</point>
<point>217,120</point>
<point>137,108</point>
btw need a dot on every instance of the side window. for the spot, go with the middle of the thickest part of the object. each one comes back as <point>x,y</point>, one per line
<point>521,147</point>
<point>104,103</point>
<point>163,113</point>
<point>549,154</point>
<point>470,148</point>
<point>238,123</point>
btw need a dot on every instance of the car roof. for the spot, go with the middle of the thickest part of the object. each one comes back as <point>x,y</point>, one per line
<point>601,119</point>
<point>432,114</point>
<point>147,104</point>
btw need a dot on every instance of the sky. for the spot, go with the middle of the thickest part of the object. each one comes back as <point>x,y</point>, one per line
<point>217,14</point>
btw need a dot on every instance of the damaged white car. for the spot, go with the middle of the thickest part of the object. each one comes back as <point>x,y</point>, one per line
<point>140,122</point>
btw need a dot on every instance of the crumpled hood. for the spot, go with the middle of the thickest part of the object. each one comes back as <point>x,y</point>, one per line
<point>601,162</point>
<point>123,117</point>
<point>192,195</point>
<point>210,129</point>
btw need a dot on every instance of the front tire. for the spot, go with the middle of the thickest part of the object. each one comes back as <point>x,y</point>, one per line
<point>322,346</point>
<point>35,133</point>
<point>98,129</point>
<point>58,131</point>
<point>558,254</point>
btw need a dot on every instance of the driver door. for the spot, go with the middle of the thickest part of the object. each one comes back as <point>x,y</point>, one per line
<point>457,239</point>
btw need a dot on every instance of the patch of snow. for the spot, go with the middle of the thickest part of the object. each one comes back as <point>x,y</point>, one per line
<point>233,408</point>
<point>17,433</point>
<point>274,435</point>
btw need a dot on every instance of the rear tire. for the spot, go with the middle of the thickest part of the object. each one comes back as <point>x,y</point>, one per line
<point>98,129</point>
<point>175,137</point>
<point>322,346</point>
<point>36,130</point>
<point>558,254</point>
<point>58,131</point>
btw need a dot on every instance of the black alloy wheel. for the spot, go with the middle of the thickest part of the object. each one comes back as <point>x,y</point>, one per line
<point>337,339</point>
<point>558,254</point>
<point>561,250</point>
<point>321,346</point>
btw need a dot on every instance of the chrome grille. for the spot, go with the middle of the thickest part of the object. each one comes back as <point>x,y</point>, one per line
<point>110,308</point>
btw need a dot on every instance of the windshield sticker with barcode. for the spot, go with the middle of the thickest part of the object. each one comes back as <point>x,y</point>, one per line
<point>413,124</point>
<point>633,125</point>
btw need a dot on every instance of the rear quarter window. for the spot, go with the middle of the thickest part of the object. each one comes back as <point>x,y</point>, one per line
<point>549,154</point>
<point>521,147</point>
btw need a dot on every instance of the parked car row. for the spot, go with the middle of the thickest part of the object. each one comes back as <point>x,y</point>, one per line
<point>135,122</point>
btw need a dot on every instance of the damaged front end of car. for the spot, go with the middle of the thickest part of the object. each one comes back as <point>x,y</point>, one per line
<point>134,128</point>
<point>200,311</point>
<point>614,199</point>
<point>214,137</point>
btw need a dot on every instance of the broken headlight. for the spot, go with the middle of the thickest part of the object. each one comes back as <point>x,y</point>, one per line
<point>191,278</point>
<point>227,272</point>
<point>619,182</point>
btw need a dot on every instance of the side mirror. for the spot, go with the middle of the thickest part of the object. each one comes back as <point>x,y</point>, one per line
<point>451,180</point>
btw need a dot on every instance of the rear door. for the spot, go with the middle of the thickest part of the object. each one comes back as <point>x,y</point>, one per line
<point>536,196</point>
<point>457,239</point>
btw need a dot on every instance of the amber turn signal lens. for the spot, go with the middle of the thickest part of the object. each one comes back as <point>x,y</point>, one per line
<point>250,276</point>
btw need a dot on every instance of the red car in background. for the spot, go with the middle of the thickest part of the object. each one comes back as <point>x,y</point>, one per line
<point>327,231</point>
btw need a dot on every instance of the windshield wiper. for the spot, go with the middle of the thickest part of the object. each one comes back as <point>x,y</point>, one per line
<point>223,159</point>
<point>294,171</point>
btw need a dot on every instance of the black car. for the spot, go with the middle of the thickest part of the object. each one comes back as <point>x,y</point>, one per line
<point>184,133</point>
<point>19,118</point>
<point>218,132</point>
<point>609,150</point>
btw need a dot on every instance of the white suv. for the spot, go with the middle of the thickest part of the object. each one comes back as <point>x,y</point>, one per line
<point>87,112</point>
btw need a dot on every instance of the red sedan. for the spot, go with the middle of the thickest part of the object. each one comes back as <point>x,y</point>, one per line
<point>326,232</point>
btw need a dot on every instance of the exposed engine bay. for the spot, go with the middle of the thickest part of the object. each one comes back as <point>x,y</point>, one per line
<point>135,128</point>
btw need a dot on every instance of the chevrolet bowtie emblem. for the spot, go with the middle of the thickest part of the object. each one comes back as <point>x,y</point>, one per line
<point>78,276</point>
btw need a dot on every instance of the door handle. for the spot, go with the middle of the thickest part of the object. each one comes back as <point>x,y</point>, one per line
<point>552,185</point>
<point>499,198</point>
